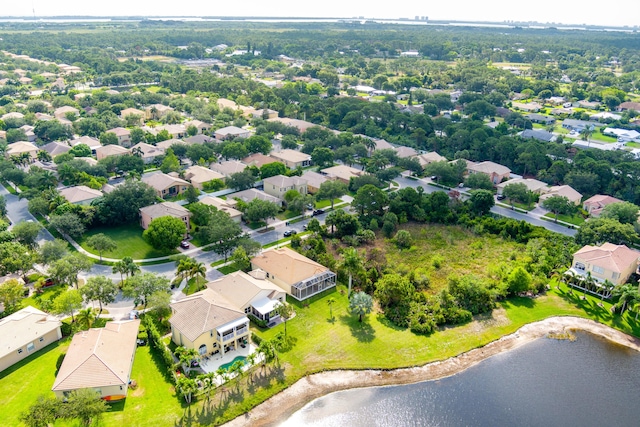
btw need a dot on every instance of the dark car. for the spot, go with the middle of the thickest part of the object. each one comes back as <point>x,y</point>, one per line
<point>48,282</point>
<point>317,212</point>
<point>184,245</point>
<point>288,233</point>
<point>501,197</point>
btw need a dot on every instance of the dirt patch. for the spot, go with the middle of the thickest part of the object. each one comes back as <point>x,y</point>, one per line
<point>285,403</point>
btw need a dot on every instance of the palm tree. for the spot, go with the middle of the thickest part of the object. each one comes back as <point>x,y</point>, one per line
<point>198,269</point>
<point>85,318</point>
<point>131,267</point>
<point>627,296</point>
<point>586,133</point>
<point>286,311</point>
<point>330,302</point>
<point>185,265</point>
<point>120,267</point>
<point>236,369</point>
<point>351,263</point>
<point>251,360</point>
<point>223,374</point>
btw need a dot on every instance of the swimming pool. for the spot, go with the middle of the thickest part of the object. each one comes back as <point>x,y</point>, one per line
<point>226,366</point>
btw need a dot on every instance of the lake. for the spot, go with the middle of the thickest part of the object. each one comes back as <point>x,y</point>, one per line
<point>586,382</point>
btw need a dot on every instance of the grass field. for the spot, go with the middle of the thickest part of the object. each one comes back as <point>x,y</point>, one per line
<point>456,250</point>
<point>129,240</point>
<point>575,219</point>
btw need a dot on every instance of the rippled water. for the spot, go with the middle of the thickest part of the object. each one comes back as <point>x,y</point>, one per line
<point>588,382</point>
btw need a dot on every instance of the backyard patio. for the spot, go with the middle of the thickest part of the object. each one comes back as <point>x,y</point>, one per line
<point>213,363</point>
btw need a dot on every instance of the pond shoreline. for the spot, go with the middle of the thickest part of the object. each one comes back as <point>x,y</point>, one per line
<point>279,407</point>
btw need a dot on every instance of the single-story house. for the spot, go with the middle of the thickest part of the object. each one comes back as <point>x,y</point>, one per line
<point>625,106</point>
<point>228,167</point>
<point>251,293</point>
<point>156,111</point>
<point>430,157</point>
<point>381,144</point>
<point>165,185</point>
<point>342,172</point>
<point>55,148</point>
<point>404,152</point>
<point>314,180</point>
<point>164,145</point>
<point>614,263</point>
<point>133,112</point>
<point>198,175</point>
<point>198,139</point>
<point>533,107</point>
<point>12,115</point>
<point>147,152</point>
<point>594,204</point>
<point>20,147</point>
<point>200,125</point>
<point>252,193</point>
<point>226,206</point>
<point>92,143</point>
<point>296,274</point>
<point>592,105</point>
<point>605,115</point>
<point>231,132</point>
<point>61,113</point>
<point>540,135</point>
<point>99,359</point>
<point>496,172</point>
<point>151,212</point>
<point>105,151</point>
<point>207,322</point>
<point>80,195</point>
<point>258,160</point>
<point>265,114</point>
<point>278,185</point>
<point>123,134</point>
<point>175,131</point>
<point>301,125</point>
<point>623,135</point>
<point>540,118</point>
<point>292,158</point>
<point>25,332</point>
<point>579,125</point>
<point>561,190</point>
<point>533,185</point>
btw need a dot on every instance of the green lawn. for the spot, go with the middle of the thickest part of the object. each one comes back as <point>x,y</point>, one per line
<point>21,384</point>
<point>129,240</point>
<point>597,136</point>
<point>575,219</point>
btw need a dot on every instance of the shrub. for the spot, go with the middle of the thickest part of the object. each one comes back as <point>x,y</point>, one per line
<point>256,338</point>
<point>259,322</point>
<point>437,261</point>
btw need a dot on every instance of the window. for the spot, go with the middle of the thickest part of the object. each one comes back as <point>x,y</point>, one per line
<point>30,347</point>
<point>598,270</point>
<point>41,339</point>
<point>247,310</point>
<point>19,350</point>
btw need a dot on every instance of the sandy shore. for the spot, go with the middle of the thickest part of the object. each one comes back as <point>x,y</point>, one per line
<point>285,403</point>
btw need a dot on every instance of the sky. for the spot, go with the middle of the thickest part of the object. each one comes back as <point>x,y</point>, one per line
<point>619,13</point>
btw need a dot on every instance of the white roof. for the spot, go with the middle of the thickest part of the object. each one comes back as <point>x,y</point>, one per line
<point>265,305</point>
<point>24,326</point>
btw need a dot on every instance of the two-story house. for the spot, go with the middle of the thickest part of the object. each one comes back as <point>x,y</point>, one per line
<point>614,263</point>
<point>278,185</point>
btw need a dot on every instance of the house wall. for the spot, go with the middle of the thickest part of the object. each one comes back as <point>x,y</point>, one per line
<point>209,338</point>
<point>606,274</point>
<point>38,344</point>
<point>112,392</point>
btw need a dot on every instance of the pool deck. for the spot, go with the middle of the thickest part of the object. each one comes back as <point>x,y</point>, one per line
<point>214,363</point>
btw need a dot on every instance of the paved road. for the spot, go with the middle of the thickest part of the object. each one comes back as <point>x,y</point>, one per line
<point>17,211</point>
<point>531,218</point>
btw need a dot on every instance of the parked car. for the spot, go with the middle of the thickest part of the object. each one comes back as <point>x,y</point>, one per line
<point>288,233</point>
<point>501,197</point>
<point>48,282</point>
<point>184,244</point>
<point>317,212</point>
<point>133,314</point>
<point>310,206</point>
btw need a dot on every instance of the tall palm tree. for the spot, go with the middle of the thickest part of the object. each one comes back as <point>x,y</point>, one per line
<point>185,266</point>
<point>351,263</point>
<point>627,295</point>
<point>198,269</point>
<point>120,267</point>
<point>251,360</point>
<point>131,267</point>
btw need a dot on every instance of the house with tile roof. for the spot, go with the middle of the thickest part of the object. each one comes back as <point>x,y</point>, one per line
<point>292,158</point>
<point>151,212</point>
<point>165,185</point>
<point>207,322</point>
<point>21,147</point>
<point>25,332</point>
<point>532,185</point>
<point>253,193</point>
<point>147,152</point>
<point>594,204</point>
<point>430,157</point>
<point>228,167</point>
<point>496,172</point>
<point>563,191</point>
<point>55,148</point>
<point>258,160</point>
<point>314,180</point>
<point>80,194</point>
<point>614,263</point>
<point>100,359</point>
<point>226,206</point>
<point>342,172</point>
<point>278,185</point>
<point>91,142</point>
<point>296,274</point>
<point>251,293</point>
<point>231,132</point>
<point>105,151</point>
<point>198,175</point>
